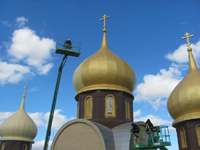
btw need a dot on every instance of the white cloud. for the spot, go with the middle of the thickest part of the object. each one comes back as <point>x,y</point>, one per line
<point>137,113</point>
<point>41,118</point>
<point>27,53</point>
<point>58,120</point>
<point>38,145</point>
<point>38,118</point>
<point>180,55</point>
<point>12,73</point>
<point>33,50</point>
<point>21,21</point>
<point>156,120</point>
<point>155,88</point>
<point>4,115</point>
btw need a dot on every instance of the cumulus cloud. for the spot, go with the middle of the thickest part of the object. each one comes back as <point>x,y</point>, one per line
<point>21,21</point>
<point>156,120</point>
<point>155,88</point>
<point>41,118</point>
<point>12,73</point>
<point>4,115</point>
<point>33,50</point>
<point>180,55</point>
<point>27,53</point>
<point>38,145</point>
<point>58,120</point>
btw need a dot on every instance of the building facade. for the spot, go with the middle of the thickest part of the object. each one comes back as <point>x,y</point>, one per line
<point>184,105</point>
<point>104,85</point>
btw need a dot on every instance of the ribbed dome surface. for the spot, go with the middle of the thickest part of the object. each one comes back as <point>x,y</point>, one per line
<point>18,127</point>
<point>104,70</point>
<point>184,101</point>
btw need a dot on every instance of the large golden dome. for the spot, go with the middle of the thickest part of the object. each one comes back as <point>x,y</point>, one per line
<point>104,70</point>
<point>184,101</point>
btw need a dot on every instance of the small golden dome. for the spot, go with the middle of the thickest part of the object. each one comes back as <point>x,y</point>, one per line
<point>19,127</point>
<point>104,70</point>
<point>184,101</point>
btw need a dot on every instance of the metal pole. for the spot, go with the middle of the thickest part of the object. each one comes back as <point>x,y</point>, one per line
<point>48,133</point>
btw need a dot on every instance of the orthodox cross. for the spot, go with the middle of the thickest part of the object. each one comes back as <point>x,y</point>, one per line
<point>24,96</point>
<point>104,18</point>
<point>187,36</point>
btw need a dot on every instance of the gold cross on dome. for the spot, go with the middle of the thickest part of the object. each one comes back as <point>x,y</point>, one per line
<point>187,36</point>
<point>104,18</point>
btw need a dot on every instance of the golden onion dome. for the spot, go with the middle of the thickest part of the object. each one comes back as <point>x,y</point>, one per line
<point>184,101</point>
<point>19,127</point>
<point>104,70</point>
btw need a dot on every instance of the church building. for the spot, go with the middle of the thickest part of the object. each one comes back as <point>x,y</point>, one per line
<point>104,85</point>
<point>184,105</point>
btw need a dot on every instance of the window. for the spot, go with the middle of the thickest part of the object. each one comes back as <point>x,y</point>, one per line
<point>127,110</point>
<point>198,134</point>
<point>110,106</point>
<point>24,147</point>
<point>77,111</point>
<point>88,106</point>
<point>3,146</point>
<point>183,138</point>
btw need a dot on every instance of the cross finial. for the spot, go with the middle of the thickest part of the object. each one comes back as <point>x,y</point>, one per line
<point>24,96</point>
<point>104,18</point>
<point>187,36</point>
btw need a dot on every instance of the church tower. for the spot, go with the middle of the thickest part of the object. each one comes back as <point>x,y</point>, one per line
<point>104,85</point>
<point>18,131</point>
<point>184,105</point>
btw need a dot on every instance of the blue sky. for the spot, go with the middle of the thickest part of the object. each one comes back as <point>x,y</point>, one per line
<point>147,34</point>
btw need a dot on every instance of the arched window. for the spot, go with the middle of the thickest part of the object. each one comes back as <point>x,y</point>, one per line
<point>88,107</point>
<point>25,147</point>
<point>127,110</point>
<point>183,138</point>
<point>198,134</point>
<point>110,110</point>
<point>3,146</point>
<point>77,111</point>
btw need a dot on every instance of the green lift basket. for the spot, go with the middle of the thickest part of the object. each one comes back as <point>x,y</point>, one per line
<point>156,138</point>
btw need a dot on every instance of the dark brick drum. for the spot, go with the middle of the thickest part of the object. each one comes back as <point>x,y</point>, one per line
<point>98,114</point>
<point>15,145</point>
<point>190,134</point>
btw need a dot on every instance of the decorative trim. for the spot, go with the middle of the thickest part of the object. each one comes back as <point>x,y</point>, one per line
<point>3,146</point>
<point>197,128</point>
<point>127,110</point>
<point>88,107</point>
<point>183,138</point>
<point>110,106</point>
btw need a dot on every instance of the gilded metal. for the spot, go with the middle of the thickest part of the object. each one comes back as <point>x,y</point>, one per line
<point>127,110</point>
<point>104,18</point>
<point>187,36</point>
<point>113,105</point>
<point>197,129</point>
<point>19,126</point>
<point>88,107</point>
<point>184,103</point>
<point>104,70</point>
<point>183,138</point>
